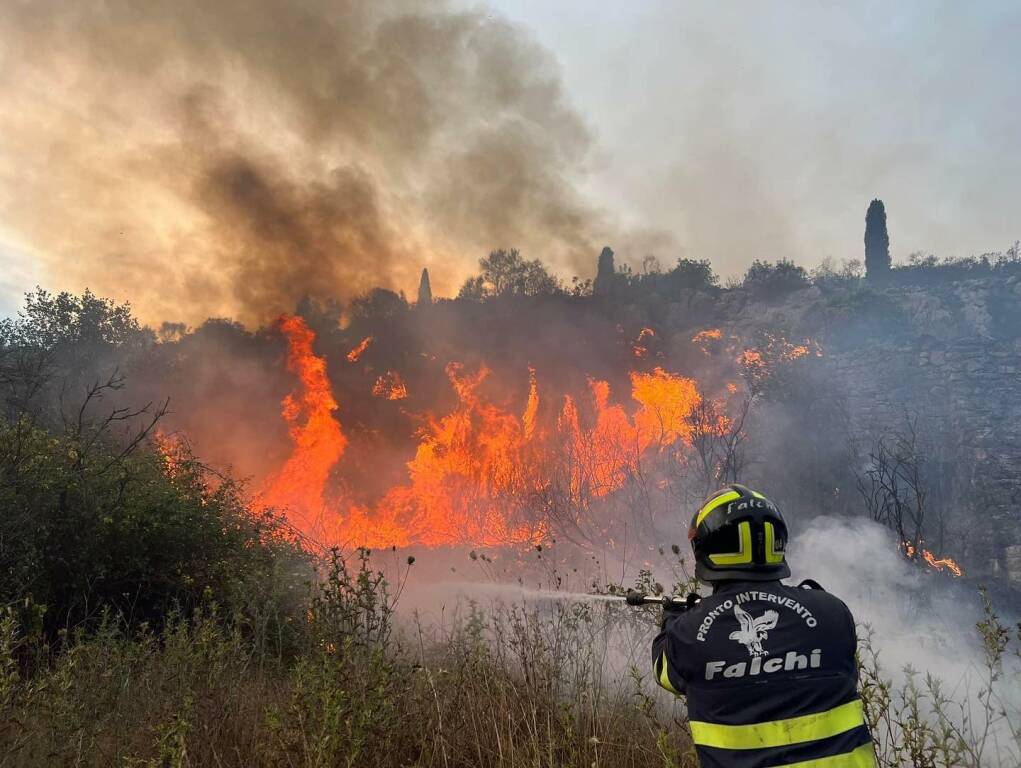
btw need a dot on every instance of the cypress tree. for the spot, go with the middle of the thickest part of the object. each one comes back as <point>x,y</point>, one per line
<point>605,273</point>
<point>877,243</point>
<point>425,293</point>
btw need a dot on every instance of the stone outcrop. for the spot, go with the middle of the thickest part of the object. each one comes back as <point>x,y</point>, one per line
<point>959,367</point>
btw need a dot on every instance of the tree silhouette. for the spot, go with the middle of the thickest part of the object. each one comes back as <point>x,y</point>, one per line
<point>606,274</point>
<point>506,273</point>
<point>425,292</point>
<point>877,243</point>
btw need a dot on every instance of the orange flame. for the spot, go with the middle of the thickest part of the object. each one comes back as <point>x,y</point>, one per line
<point>666,402</point>
<point>939,564</point>
<point>710,334</point>
<point>532,406</point>
<point>758,362</point>
<point>173,450</point>
<point>751,358</point>
<point>478,469</point>
<point>465,475</point>
<point>354,354</point>
<point>638,349</point>
<point>390,386</point>
<point>314,430</point>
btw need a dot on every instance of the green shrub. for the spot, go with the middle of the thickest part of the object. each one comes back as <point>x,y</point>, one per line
<point>774,281</point>
<point>87,526</point>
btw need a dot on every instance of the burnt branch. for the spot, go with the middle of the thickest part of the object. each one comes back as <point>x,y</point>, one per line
<point>893,484</point>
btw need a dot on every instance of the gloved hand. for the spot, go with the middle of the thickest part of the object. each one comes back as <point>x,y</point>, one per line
<point>674,608</point>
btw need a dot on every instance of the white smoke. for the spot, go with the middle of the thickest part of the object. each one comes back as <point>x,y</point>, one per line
<point>920,620</point>
<point>915,620</point>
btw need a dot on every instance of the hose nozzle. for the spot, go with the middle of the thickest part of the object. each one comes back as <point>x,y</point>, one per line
<point>639,598</point>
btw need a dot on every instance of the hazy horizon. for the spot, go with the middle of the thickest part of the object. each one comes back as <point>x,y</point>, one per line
<point>722,132</point>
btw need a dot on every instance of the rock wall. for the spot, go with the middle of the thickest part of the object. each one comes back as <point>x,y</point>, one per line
<point>958,369</point>
<point>932,344</point>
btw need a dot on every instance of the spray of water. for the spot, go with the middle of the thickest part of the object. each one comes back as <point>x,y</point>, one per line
<point>459,590</point>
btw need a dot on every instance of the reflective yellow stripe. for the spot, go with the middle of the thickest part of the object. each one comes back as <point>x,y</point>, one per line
<point>744,555</point>
<point>714,503</point>
<point>862,757</point>
<point>780,733</point>
<point>664,678</point>
<point>772,556</point>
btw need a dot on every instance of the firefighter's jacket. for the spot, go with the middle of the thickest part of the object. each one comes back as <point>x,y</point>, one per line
<point>770,678</point>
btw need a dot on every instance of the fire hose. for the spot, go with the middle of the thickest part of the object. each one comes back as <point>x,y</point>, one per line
<point>668,602</point>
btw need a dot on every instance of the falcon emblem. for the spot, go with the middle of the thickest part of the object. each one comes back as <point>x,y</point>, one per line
<point>754,631</point>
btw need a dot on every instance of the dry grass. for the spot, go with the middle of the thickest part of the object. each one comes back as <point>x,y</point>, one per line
<point>516,685</point>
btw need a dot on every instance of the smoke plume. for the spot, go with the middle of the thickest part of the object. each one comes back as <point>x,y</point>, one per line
<point>228,158</point>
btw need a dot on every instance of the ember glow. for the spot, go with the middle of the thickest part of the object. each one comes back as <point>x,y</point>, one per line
<point>172,449</point>
<point>710,334</point>
<point>390,386</point>
<point>480,471</point>
<point>640,348</point>
<point>706,339</point>
<point>757,362</point>
<point>354,354</point>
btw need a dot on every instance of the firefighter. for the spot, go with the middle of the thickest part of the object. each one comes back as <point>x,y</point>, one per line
<point>768,669</point>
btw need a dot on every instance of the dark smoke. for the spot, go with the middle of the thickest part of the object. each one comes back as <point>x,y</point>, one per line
<point>228,158</point>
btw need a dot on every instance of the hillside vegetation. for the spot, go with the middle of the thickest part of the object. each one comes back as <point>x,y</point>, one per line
<point>148,616</point>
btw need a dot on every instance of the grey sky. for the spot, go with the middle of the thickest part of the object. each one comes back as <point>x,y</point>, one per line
<point>764,129</point>
<point>743,130</point>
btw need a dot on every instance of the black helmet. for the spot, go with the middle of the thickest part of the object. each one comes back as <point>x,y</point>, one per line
<point>739,534</point>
